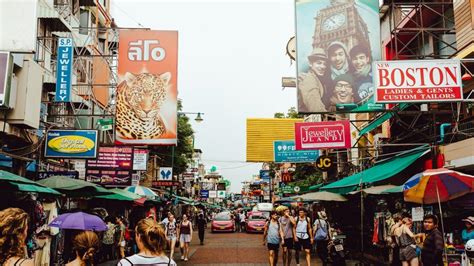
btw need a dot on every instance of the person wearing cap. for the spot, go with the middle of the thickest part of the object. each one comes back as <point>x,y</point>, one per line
<point>468,232</point>
<point>322,235</point>
<point>343,91</point>
<point>311,85</point>
<point>339,59</point>
<point>362,70</point>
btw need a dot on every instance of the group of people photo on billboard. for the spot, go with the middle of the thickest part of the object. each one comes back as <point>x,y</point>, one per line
<point>336,45</point>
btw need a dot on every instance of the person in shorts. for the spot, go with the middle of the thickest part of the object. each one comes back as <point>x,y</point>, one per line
<point>303,236</point>
<point>273,236</point>
<point>185,236</point>
<point>171,233</point>
<point>287,223</point>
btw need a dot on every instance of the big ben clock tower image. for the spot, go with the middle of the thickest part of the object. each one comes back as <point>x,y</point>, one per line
<point>341,22</point>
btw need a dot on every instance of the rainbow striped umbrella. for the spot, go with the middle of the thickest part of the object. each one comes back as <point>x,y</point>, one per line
<point>437,185</point>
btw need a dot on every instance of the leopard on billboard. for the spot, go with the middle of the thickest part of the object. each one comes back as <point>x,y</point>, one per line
<point>147,90</point>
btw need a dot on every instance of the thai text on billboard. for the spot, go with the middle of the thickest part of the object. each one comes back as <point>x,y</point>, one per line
<point>336,49</point>
<point>147,91</point>
<point>418,81</point>
<point>323,135</point>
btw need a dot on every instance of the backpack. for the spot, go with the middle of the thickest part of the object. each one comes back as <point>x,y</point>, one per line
<point>308,226</point>
<point>321,232</point>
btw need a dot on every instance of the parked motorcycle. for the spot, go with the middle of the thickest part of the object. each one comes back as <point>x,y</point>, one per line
<point>337,253</point>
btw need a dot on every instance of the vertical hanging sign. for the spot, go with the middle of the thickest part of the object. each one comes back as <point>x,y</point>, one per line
<point>64,70</point>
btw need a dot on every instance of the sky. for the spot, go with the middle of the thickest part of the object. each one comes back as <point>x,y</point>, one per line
<point>231,58</point>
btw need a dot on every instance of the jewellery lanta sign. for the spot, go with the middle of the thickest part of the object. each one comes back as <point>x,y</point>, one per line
<point>323,135</point>
<point>418,81</point>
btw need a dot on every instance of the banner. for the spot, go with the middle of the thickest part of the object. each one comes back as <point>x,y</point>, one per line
<point>285,152</point>
<point>204,194</point>
<point>147,91</point>
<point>64,70</point>
<point>46,174</point>
<point>323,135</point>
<point>418,81</point>
<point>112,168</point>
<point>140,159</point>
<point>335,53</point>
<point>71,144</point>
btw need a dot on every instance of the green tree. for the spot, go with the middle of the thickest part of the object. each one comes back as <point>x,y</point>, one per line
<point>305,174</point>
<point>183,152</point>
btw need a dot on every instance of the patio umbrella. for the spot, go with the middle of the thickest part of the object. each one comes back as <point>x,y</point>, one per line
<point>9,180</point>
<point>437,185</point>
<point>322,196</point>
<point>142,191</point>
<point>79,221</point>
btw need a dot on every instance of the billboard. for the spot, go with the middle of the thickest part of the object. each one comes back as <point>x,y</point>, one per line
<point>5,78</point>
<point>285,152</point>
<point>64,70</point>
<point>323,135</point>
<point>418,81</point>
<point>147,90</point>
<point>112,168</point>
<point>71,144</point>
<point>20,20</point>
<point>335,53</point>
<point>262,132</point>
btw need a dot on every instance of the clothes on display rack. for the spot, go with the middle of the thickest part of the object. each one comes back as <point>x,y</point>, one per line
<point>383,221</point>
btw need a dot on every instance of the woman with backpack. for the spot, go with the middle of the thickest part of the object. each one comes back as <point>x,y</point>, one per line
<point>272,237</point>
<point>151,242</point>
<point>322,236</point>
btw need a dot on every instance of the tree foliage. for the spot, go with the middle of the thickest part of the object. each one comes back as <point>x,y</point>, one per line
<point>183,152</point>
<point>305,174</point>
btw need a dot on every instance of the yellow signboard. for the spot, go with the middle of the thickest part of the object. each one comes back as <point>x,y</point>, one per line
<point>262,132</point>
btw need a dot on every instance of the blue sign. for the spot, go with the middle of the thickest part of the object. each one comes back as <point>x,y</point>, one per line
<point>204,194</point>
<point>265,175</point>
<point>64,70</point>
<point>285,152</point>
<point>71,144</point>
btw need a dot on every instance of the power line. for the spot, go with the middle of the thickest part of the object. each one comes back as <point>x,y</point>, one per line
<point>126,14</point>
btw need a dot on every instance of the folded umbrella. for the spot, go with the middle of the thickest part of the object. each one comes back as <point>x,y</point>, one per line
<point>79,221</point>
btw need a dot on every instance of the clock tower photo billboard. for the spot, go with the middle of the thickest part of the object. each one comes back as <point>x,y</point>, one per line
<point>336,43</point>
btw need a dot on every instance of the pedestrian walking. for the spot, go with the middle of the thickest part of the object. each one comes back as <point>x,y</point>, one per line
<point>201,225</point>
<point>303,236</point>
<point>171,233</point>
<point>406,240</point>
<point>287,223</point>
<point>84,245</point>
<point>13,232</point>
<point>185,236</point>
<point>272,237</point>
<point>237,221</point>
<point>432,251</point>
<point>120,242</point>
<point>242,221</point>
<point>108,240</point>
<point>322,236</point>
<point>151,241</point>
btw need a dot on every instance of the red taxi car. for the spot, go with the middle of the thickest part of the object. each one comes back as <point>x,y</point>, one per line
<point>223,222</point>
<point>255,222</point>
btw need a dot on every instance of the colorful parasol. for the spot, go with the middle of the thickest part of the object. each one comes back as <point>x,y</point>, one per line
<point>437,185</point>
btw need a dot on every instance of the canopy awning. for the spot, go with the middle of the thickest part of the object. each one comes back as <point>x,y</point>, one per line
<point>74,187</point>
<point>381,119</point>
<point>120,194</point>
<point>24,184</point>
<point>376,190</point>
<point>315,187</point>
<point>380,171</point>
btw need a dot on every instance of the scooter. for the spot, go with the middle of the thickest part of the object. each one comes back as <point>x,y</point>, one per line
<point>337,253</point>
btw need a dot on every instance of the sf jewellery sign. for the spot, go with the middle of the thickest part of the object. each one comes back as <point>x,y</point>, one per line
<point>64,69</point>
<point>71,144</point>
<point>323,135</point>
<point>418,81</point>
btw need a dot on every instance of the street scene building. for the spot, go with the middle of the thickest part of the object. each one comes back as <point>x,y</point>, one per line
<point>133,128</point>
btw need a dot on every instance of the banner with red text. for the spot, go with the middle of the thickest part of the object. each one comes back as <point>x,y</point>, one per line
<point>418,81</point>
<point>323,135</point>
